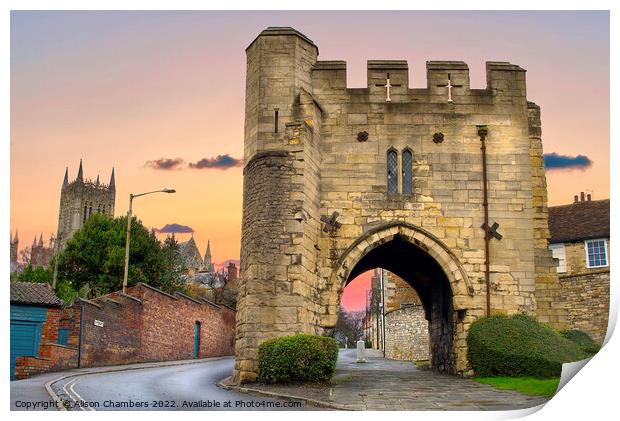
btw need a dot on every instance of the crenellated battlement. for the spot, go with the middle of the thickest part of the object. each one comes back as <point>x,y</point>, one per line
<point>502,78</point>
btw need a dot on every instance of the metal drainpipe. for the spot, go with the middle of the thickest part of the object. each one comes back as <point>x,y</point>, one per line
<point>382,314</point>
<point>482,132</point>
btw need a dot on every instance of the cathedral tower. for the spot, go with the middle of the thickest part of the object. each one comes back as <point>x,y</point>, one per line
<point>79,199</point>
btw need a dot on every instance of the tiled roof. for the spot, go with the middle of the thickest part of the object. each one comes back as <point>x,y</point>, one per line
<point>579,221</point>
<point>33,293</point>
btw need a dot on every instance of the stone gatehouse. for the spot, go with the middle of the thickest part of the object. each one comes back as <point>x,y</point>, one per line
<point>338,181</point>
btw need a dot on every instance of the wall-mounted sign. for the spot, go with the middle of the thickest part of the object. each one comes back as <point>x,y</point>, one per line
<point>98,323</point>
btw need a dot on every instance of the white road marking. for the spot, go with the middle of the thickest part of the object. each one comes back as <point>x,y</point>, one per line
<point>84,407</point>
<point>74,396</point>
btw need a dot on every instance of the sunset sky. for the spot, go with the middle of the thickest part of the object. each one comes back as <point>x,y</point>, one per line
<point>160,97</point>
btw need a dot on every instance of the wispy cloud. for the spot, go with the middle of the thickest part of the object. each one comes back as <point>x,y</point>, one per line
<point>220,162</point>
<point>165,164</point>
<point>175,228</point>
<point>555,161</point>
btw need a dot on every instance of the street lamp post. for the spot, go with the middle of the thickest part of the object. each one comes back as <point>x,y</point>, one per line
<point>127,241</point>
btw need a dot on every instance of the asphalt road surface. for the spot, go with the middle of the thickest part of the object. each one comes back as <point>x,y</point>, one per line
<point>183,387</point>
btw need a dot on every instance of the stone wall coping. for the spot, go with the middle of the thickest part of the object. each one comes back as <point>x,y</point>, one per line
<point>387,64</point>
<point>156,290</point>
<point>92,303</point>
<point>187,297</point>
<point>407,307</point>
<point>330,65</point>
<point>131,297</point>
<point>584,274</point>
<point>446,65</point>
<point>283,30</point>
<point>110,300</point>
<point>503,65</point>
<point>211,303</point>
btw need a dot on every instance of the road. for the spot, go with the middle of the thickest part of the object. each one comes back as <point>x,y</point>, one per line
<point>183,387</point>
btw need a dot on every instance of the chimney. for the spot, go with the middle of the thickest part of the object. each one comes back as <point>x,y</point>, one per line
<point>589,197</point>
<point>583,197</point>
<point>576,198</point>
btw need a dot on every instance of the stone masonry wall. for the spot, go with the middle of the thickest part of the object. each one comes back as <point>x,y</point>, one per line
<point>550,308</point>
<point>406,334</point>
<point>294,275</point>
<point>575,253</point>
<point>587,298</point>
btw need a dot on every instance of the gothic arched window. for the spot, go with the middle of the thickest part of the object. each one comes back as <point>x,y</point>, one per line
<point>85,214</point>
<point>392,172</point>
<point>407,172</point>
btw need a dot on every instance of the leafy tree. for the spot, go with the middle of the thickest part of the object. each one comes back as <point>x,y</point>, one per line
<point>94,257</point>
<point>33,274</point>
<point>174,263</point>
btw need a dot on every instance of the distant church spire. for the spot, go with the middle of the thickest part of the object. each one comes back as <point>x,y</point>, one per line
<point>97,182</point>
<point>34,242</point>
<point>65,182</point>
<point>112,184</point>
<point>41,240</point>
<point>207,260</point>
<point>80,175</point>
<point>16,238</point>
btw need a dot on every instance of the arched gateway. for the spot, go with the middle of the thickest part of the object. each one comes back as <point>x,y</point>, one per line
<point>338,181</point>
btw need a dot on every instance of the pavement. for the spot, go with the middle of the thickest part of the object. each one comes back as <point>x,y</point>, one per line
<point>378,384</point>
<point>382,384</point>
<point>177,385</point>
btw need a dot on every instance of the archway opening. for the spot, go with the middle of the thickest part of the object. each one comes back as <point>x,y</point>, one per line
<point>422,272</point>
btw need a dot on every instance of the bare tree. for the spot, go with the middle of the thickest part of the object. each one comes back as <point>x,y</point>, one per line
<point>350,326</point>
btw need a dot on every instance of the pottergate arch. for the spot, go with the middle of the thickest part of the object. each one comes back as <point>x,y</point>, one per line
<point>431,269</point>
<point>339,180</point>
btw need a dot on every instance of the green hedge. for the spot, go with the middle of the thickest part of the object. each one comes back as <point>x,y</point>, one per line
<point>583,340</point>
<point>297,358</point>
<point>518,346</point>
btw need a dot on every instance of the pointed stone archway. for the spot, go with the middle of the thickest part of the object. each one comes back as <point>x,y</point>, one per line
<point>429,267</point>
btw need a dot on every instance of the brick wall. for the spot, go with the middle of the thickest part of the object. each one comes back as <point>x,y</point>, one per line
<point>150,325</point>
<point>52,356</point>
<point>587,302</point>
<point>118,340</point>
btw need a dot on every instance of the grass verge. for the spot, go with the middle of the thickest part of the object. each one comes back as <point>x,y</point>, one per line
<point>526,385</point>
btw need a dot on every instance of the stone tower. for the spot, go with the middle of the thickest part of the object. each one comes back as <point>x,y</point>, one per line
<point>79,199</point>
<point>338,181</point>
<point>40,255</point>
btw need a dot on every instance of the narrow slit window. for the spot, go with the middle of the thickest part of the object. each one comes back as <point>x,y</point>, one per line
<point>275,120</point>
<point>407,172</point>
<point>392,172</point>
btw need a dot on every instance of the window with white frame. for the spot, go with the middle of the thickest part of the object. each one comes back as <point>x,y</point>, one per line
<point>559,252</point>
<point>596,253</point>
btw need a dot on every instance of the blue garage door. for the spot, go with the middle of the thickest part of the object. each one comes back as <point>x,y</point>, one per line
<point>26,323</point>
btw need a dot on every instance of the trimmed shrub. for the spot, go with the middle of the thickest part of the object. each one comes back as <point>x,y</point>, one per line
<point>583,340</point>
<point>297,358</point>
<point>518,346</point>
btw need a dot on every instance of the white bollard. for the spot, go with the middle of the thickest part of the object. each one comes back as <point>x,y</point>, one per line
<point>361,352</point>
